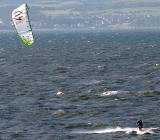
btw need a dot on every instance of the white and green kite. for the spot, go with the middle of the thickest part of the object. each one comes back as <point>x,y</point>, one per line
<point>22,24</point>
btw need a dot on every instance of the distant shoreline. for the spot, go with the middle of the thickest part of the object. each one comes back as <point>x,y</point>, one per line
<point>85,29</point>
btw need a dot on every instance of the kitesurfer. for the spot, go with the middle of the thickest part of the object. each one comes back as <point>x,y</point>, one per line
<point>140,124</point>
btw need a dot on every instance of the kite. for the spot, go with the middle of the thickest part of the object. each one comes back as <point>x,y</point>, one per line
<point>22,24</point>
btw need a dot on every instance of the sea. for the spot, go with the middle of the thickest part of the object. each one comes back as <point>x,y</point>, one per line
<point>80,85</point>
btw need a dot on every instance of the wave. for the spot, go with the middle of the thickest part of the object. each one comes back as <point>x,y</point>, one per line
<point>60,112</point>
<point>89,82</point>
<point>59,93</point>
<point>127,130</point>
<point>107,93</point>
<point>1,50</point>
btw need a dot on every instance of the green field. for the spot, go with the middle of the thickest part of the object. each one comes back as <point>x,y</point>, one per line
<point>112,7</point>
<point>57,4</point>
<point>134,11</point>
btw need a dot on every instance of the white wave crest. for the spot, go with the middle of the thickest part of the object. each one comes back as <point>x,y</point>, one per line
<point>107,93</point>
<point>1,50</point>
<point>59,93</point>
<point>127,130</point>
<point>59,112</point>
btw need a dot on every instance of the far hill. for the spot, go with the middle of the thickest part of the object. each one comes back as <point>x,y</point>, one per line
<point>86,13</point>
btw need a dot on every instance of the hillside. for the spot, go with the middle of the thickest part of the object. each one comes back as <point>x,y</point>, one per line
<point>86,13</point>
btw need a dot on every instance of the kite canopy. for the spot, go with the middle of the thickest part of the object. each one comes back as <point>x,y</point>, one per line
<point>22,24</point>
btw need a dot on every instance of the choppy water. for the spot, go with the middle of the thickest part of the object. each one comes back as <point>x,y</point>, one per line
<point>80,85</point>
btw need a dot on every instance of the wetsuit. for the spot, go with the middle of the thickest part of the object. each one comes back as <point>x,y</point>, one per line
<point>140,124</point>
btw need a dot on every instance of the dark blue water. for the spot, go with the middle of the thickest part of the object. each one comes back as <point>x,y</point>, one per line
<point>80,85</point>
